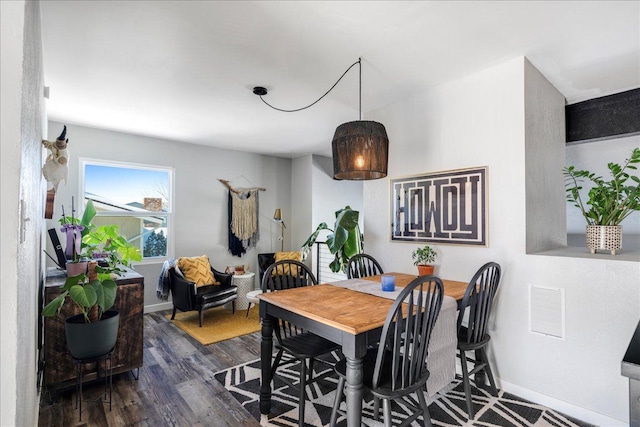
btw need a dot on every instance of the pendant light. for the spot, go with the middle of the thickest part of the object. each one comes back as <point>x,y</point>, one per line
<point>360,148</point>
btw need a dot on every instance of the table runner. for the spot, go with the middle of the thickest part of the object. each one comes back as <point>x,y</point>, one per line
<point>441,361</point>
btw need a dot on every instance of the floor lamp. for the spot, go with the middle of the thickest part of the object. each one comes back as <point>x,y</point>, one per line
<point>277,217</point>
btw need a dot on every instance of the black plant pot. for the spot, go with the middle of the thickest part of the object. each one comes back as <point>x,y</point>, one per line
<point>88,340</point>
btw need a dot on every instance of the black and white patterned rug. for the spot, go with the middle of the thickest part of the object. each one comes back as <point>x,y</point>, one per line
<point>447,408</point>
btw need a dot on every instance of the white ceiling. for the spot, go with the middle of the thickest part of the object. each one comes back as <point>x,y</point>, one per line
<point>185,71</point>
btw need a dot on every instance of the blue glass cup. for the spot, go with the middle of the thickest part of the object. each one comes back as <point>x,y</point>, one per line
<point>388,283</point>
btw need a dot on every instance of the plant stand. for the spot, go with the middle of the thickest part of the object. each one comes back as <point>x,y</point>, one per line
<point>107,376</point>
<point>607,237</point>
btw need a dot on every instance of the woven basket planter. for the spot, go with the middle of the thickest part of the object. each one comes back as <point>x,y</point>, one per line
<point>604,237</point>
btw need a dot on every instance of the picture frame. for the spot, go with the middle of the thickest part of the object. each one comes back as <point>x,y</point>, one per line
<point>448,207</point>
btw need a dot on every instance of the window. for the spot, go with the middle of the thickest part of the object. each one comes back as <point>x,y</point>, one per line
<point>138,198</point>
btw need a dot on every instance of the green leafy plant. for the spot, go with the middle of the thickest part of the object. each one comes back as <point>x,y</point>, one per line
<point>424,256</point>
<point>105,240</point>
<point>344,241</point>
<point>92,297</point>
<point>610,202</point>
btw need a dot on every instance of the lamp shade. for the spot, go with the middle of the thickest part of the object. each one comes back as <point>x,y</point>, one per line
<point>360,151</point>
<point>277,216</point>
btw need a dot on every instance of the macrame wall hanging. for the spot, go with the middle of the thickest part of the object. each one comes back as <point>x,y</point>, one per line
<point>243,212</point>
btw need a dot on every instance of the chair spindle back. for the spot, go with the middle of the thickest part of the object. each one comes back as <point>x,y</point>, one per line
<point>406,333</point>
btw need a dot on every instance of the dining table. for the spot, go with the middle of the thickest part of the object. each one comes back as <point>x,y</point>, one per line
<point>341,314</point>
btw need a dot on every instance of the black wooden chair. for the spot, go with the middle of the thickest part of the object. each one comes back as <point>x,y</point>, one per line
<point>187,296</point>
<point>398,367</point>
<point>363,265</point>
<point>302,345</point>
<point>478,302</point>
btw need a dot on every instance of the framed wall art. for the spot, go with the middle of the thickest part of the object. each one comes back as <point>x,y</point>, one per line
<point>441,207</point>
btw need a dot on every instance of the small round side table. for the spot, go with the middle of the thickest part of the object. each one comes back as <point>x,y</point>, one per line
<point>244,282</point>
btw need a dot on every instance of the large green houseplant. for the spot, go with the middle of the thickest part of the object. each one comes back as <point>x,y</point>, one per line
<point>609,201</point>
<point>344,241</point>
<point>94,330</point>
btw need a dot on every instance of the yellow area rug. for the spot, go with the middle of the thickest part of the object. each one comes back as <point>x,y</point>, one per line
<point>218,324</point>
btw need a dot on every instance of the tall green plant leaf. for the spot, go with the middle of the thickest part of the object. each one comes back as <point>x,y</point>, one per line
<point>110,291</point>
<point>344,240</point>
<point>55,305</point>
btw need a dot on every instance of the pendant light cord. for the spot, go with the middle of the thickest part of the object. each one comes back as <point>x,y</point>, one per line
<point>358,62</point>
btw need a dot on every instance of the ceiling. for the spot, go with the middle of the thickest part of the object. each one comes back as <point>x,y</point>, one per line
<point>184,71</point>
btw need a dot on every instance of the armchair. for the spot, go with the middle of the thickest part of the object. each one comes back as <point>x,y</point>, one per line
<point>189,297</point>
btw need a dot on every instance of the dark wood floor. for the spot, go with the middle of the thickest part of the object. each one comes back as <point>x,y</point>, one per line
<point>176,386</point>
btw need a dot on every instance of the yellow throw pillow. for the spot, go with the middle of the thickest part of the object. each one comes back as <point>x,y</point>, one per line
<point>284,269</point>
<point>197,270</point>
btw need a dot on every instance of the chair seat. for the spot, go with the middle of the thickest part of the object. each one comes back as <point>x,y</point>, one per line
<point>465,345</point>
<point>211,294</point>
<point>252,296</point>
<point>307,345</point>
<point>368,366</point>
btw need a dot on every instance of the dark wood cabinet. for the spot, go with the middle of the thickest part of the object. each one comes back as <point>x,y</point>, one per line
<point>59,370</point>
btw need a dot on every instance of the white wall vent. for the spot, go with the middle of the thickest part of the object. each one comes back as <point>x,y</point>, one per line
<point>547,311</point>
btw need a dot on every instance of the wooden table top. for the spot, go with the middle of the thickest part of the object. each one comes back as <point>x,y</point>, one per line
<point>345,309</point>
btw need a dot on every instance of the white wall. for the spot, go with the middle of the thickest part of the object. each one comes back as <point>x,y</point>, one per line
<point>480,121</point>
<point>330,195</point>
<point>22,110</point>
<point>301,201</point>
<point>12,15</point>
<point>200,200</point>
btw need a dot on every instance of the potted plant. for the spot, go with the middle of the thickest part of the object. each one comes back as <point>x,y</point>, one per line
<point>610,202</point>
<point>75,229</point>
<point>344,241</point>
<point>104,242</point>
<point>114,249</point>
<point>424,258</point>
<point>92,332</point>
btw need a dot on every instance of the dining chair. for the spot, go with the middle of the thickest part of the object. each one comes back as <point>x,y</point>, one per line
<point>477,302</point>
<point>302,345</point>
<point>363,265</point>
<point>398,367</point>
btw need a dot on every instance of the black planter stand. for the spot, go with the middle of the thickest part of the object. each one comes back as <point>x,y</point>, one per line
<point>107,375</point>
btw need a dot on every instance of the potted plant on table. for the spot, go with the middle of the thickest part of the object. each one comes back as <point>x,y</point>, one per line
<point>75,229</point>
<point>344,241</point>
<point>424,258</point>
<point>85,241</point>
<point>610,202</point>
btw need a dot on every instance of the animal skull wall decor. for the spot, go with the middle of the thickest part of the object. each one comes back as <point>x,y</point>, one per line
<point>55,168</point>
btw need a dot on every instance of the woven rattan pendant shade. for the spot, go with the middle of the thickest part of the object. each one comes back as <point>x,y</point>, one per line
<point>360,148</point>
<point>360,151</point>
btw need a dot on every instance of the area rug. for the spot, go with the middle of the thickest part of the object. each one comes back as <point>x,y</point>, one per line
<point>448,408</point>
<point>219,324</point>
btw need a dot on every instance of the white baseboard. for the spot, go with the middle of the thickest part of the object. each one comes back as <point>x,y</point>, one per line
<point>566,408</point>
<point>158,307</point>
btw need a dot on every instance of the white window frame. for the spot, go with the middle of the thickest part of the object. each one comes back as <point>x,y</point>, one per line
<point>84,161</point>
